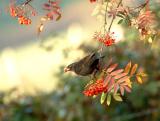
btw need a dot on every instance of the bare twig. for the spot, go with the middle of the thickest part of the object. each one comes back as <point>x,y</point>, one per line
<point>27,2</point>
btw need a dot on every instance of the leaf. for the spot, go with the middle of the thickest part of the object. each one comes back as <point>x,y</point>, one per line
<point>142,74</point>
<point>127,89</point>
<point>111,84</point>
<point>58,17</point>
<point>128,67</point>
<point>129,83</point>
<point>108,64</point>
<point>120,21</point>
<point>139,79</point>
<point>94,96</point>
<point>117,97</point>
<point>103,97</point>
<point>120,75</point>
<point>89,83</point>
<point>117,72</point>
<point>122,90</point>
<point>40,28</point>
<point>112,67</point>
<point>116,87</point>
<point>107,80</point>
<point>123,79</point>
<point>133,70</point>
<point>109,99</point>
<point>121,16</point>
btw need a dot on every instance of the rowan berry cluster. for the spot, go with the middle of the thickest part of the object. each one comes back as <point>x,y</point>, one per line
<point>96,88</point>
<point>107,39</point>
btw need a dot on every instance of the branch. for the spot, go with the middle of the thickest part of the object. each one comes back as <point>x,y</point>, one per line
<point>105,17</point>
<point>26,2</point>
<point>113,18</point>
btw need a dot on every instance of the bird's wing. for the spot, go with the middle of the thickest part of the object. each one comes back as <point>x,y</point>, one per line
<point>88,60</point>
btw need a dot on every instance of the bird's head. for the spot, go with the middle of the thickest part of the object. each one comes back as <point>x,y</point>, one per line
<point>69,67</point>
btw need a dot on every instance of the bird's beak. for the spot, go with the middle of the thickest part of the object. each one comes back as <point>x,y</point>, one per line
<point>66,69</point>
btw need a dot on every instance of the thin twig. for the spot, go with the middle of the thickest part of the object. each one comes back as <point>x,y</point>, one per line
<point>27,2</point>
<point>105,17</point>
<point>135,115</point>
<point>113,18</point>
<point>143,5</point>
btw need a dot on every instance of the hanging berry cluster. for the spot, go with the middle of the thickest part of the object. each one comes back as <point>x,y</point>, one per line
<point>107,40</point>
<point>22,12</point>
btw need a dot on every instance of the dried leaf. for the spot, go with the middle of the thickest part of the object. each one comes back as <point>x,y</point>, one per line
<point>43,19</point>
<point>139,79</point>
<point>112,67</point>
<point>123,79</point>
<point>111,84</point>
<point>133,70</point>
<point>59,17</point>
<point>142,74</point>
<point>122,90</point>
<point>117,72</point>
<point>116,87</point>
<point>103,97</point>
<point>109,63</point>
<point>40,28</point>
<point>127,89</point>
<point>117,97</point>
<point>107,80</point>
<point>120,75</point>
<point>128,67</point>
<point>94,96</point>
<point>109,99</point>
<point>129,83</point>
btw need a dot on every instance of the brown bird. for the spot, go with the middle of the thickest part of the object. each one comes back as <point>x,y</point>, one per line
<point>86,66</point>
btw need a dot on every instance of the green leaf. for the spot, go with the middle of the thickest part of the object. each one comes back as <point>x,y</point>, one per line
<point>117,97</point>
<point>103,97</point>
<point>120,21</point>
<point>109,99</point>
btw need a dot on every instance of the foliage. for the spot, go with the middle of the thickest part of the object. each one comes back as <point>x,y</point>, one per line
<point>112,82</point>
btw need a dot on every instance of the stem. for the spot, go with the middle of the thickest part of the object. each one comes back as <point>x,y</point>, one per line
<point>27,2</point>
<point>113,18</point>
<point>143,5</point>
<point>105,18</point>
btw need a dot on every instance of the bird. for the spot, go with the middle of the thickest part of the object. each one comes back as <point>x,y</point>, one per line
<point>86,66</point>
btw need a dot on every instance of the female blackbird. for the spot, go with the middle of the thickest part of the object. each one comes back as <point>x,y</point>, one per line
<point>86,66</point>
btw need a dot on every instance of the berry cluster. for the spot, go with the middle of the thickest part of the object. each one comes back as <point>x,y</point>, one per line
<point>24,20</point>
<point>22,11</point>
<point>107,39</point>
<point>21,18</point>
<point>96,88</point>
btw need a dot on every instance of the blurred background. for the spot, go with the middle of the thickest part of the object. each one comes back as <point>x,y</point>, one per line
<point>33,86</point>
